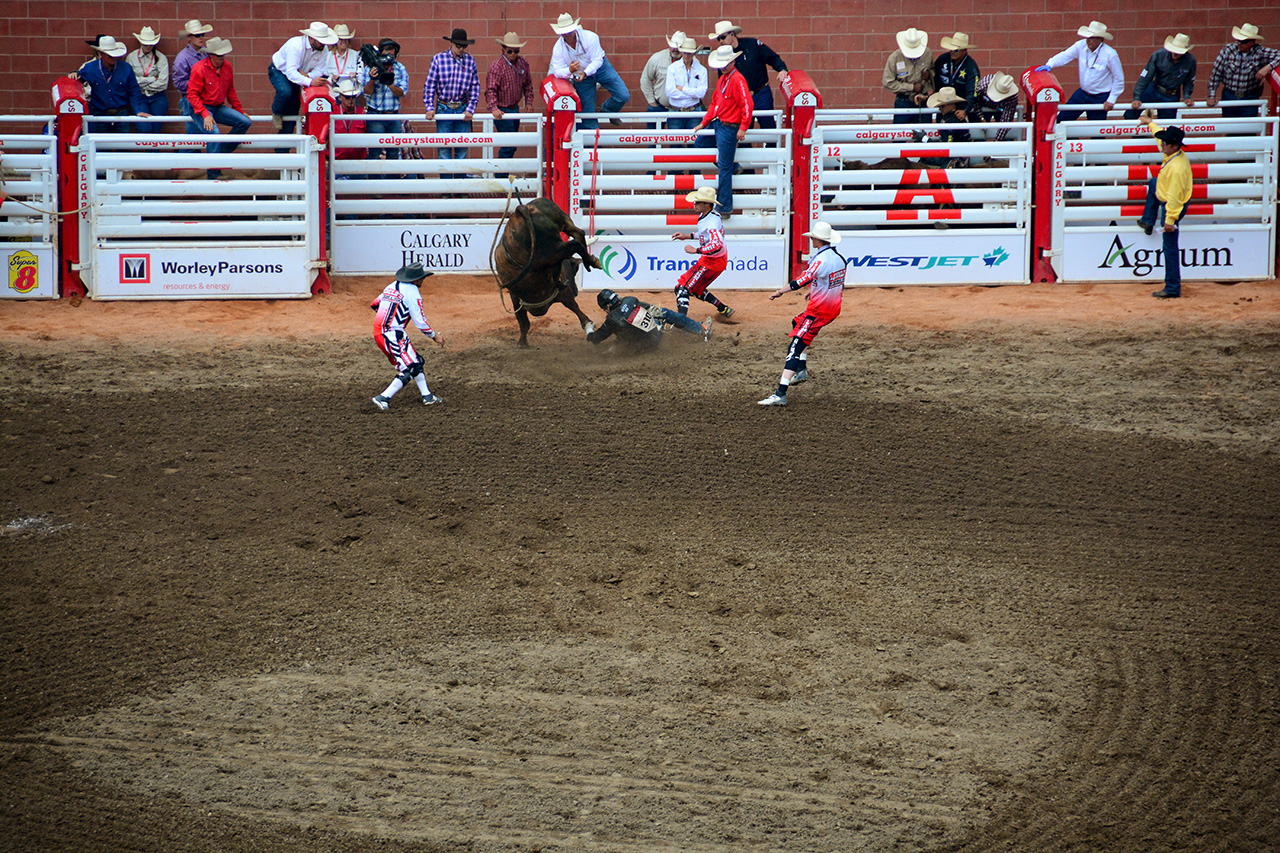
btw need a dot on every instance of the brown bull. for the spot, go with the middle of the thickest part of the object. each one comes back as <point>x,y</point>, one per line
<point>535,264</point>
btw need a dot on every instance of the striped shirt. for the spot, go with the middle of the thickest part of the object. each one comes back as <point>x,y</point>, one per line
<point>1008,107</point>
<point>397,304</point>
<point>506,84</point>
<point>1238,72</point>
<point>451,80</point>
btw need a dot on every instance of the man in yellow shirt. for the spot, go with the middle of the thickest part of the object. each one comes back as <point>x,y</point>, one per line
<point>1168,192</point>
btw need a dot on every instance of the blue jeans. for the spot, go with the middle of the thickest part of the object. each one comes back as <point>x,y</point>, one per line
<point>506,125</point>
<point>157,105</point>
<point>1153,213</point>
<point>1238,112</point>
<point>904,102</point>
<point>1153,96</point>
<point>726,145</point>
<point>763,100</point>
<point>382,125</point>
<point>222,114</point>
<point>451,125</point>
<point>680,321</point>
<point>1080,96</point>
<point>608,78</point>
<point>288,99</point>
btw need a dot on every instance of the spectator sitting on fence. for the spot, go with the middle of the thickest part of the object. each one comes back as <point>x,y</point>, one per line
<point>578,57</point>
<point>197,33</point>
<point>1101,75</point>
<point>1239,70</point>
<point>754,64</point>
<point>348,94</point>
<point>344,63</point>
<point>299,63</point>
<point>453,86</point>
<point>383,89</point>
<point>1170,76</point>
<point>113,88</point>
<point>686,85</point>
<point>957,69</point>
<point>997,102</point>
<point>508,83</point>
<point>151,68</point>
<point>653,79</point>
<point>212,98</point>
<point>908,73</point>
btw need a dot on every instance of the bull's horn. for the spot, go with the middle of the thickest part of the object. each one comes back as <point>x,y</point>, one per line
<point>591,241</point>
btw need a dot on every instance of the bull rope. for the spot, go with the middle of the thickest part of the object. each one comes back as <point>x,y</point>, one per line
<point>523,272</point>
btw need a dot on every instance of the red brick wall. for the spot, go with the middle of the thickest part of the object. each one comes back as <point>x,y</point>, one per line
<point>843,45</point>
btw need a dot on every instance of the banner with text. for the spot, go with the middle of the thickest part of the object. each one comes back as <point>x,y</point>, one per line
<point>385,247</point>
<point>202,273</point>
<point>943,258</point>
<point>1124,254</point>
<point>30,273</point>
<point>754,264</point>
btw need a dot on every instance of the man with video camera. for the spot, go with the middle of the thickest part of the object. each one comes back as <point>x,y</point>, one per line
<point>387,81</point>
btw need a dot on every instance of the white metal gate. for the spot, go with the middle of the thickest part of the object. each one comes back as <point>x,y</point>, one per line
<point>28,221</point>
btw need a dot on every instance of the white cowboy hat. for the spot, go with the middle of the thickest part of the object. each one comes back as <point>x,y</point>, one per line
<point>195,28</point>
<point>511,40</point>
<point>722,56</point>
<point>108,45</point>
<point>1095,30</point>
<point>688,45</point>
<point>1179,44</point>
<point>348,88</point>
<point>724,28</point>
<point>218,46</point>
<point>960,41</point>
<point>823,232</point>
<point>566,23</point>
<point>945,95</point>
<point>320,31</point>
<point>706,194</point>
<point>913,43</point>
<point>1245,32</point>
<point>147,36</point>
<point>1002,87</point>
<point>343,32</point>
<point>677,39</point>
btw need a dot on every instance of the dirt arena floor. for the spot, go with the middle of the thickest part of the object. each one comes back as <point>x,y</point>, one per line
<point>1004,576</point>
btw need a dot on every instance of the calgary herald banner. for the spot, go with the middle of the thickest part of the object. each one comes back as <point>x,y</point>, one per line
<point>385,248</point>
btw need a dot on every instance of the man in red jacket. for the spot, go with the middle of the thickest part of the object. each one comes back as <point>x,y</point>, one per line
<point>212,99</point>
<point>729,116</point>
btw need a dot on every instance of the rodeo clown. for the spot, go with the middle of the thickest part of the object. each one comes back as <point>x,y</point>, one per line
<point>399,302</point>
<point>825,278</point>
<point>638,324</point>
<point>711,252</point>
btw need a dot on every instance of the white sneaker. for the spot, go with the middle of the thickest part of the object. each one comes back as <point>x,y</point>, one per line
<point>773,400</point>
<point>802,376</point>
<point>706,330</point>
<point>382,402</point>
<point>431,400</point>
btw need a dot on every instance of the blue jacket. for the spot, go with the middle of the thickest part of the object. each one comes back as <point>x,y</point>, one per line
<point>117,91</point>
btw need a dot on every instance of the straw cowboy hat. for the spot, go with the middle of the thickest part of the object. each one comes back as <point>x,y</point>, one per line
<point>511,40</point>
<point>704,194</point>
<point>218,46</point>
<point>945,95</point>
<point>147,36</point>
<point>348,88</point>
<point>913,43</point>
<point>320,31</point>
<point>823,232</point>
<point>677,39</point>
<point>960,41</point>
<point>195,28</point>
<point>458,36</point>
<point>1178,44</point>
<point>343,32</point>
<point>688,45</point>
<point>722,56</point>
<point>566,23</point>
<point>1095,30</point>
<point>723,28</point>
<point>1246,32</point>
<point>108,45</point>
<point>1002,87</point>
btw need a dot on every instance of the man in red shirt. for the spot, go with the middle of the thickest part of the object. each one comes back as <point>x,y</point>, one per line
<point>348,93</point>
<point>212,99</point>
<point>729,116</point>
<point>508,82</point>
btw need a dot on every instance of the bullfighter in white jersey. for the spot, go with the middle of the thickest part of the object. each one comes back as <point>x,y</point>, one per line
<point>825,278</point>
<point>712,254</point>
<point>400,302</point>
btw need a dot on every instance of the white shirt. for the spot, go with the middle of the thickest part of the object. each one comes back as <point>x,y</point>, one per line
<point>347,66</point>
<point>296,60</point>
<point>694,81</point>
<point>710,235</point>
<point>399,303</point>
<point>1100,70</point>
<point>588,52</point>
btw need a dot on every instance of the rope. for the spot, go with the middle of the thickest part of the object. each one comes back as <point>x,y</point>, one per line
<point>494,245</point>
<point>595,169</point>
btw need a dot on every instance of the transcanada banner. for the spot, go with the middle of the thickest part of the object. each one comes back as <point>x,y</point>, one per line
<point>1126,254</point>
<point>385,248</point>
<point>885,259</point>
<point>202,273</point>
<point>754,264</point>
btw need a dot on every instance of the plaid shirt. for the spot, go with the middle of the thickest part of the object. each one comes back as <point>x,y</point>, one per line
<point>384,100</point>
<point>1238,71</point>
<point>451,81</point>
<point>1008,107</point>
<point>507,84</point>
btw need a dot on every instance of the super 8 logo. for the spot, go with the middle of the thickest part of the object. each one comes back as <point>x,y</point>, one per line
<point>23,272</point>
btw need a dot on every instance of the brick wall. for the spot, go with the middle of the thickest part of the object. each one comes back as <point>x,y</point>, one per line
<point>843,45</point>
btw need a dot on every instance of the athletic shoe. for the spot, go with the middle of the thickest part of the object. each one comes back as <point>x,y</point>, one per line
<point>802,376</point>
<point>382,402</point>
<point>726,312</point>
<point>706,330</point>
<point>773,400</point>
<point>431,400</point>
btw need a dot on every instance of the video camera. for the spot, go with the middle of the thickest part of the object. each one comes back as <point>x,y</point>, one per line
<point>384,67</point>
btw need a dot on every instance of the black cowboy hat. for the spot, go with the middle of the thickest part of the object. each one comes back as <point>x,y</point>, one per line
<point>1172,135</point>
<point>412,272</point>
<point>459,37</point>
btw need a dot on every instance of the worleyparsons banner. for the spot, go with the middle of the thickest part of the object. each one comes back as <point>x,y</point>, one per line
<point>202,273</point>
<point>1126,254</point>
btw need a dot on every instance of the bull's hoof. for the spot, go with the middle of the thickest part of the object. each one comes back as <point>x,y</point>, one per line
<point>522,343</point>
<point>594,263</point>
